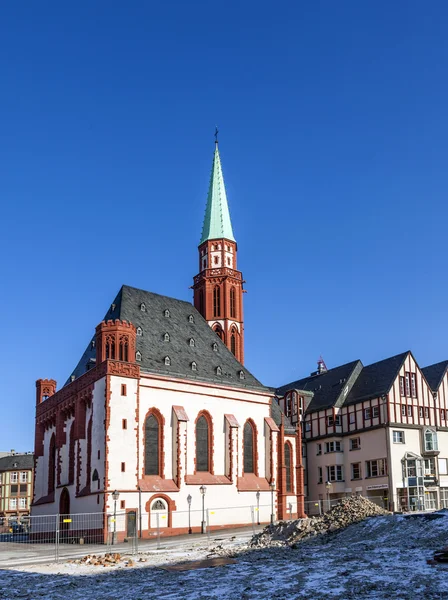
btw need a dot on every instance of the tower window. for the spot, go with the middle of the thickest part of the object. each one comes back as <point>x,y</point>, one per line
<point>138,356</point>
<point>216,301</point>
<point>194,366</point>
<point>139,331</point>
<point>167,361</point>
<point>192,344</point>
<point>191,319</point>
<point>143,307</point>
<point>167,313</point>
<point>215,260</point>
<point>228,261</point>
<point>166,337</point>
<point>201,301</point>
<point>232,303</point>
<point>218,371</point>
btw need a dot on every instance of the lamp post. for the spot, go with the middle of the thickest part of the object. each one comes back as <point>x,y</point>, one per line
<point>258,507</point>
<point>272,485</point>
<point>115,496</point>
<point>140,511</point>
<point>203,489</point>
<point>328,488</point>
<point>189,513</point>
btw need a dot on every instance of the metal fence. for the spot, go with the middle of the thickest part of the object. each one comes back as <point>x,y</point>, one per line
<point>54,537</point>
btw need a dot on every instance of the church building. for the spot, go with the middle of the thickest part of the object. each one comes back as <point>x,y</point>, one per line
<point>161,409</point>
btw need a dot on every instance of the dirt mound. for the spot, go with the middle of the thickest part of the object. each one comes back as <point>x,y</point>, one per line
<point>348,511</point>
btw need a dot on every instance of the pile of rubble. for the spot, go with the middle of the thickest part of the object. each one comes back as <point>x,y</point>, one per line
<point>108,560</point>
<point>348,511</point>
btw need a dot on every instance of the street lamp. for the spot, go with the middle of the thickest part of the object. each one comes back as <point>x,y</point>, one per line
<point>328,488</point>
<point>189,513</point>
<point>272,485</point>
<point>140,511</point>
<point>115,496</point>
<point>203,489</point>
<point>258,507</point>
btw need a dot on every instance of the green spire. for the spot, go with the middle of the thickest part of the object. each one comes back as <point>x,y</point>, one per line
<point>217,223</point>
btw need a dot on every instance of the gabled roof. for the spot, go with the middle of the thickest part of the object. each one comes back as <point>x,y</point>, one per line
<point>153,347</point>
<point>376,379</point>
<point>434,374</point>
<point>327,387</point>
<point>17,461</point>
<point>217,223</point>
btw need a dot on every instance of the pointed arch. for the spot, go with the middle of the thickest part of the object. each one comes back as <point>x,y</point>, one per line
<point>204,442</point>
<point>219,332</point>
<point>289,467</point>
<point>52,464</point>
<point>216,301</point>
<point>250,448</point>
<point>124,348</point>
<point>233,341</point>
<point>110,347</point>
<point>153,443</point>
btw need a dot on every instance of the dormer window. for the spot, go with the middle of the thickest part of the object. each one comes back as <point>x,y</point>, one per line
<point>139,331</point>
<point>138,356</point>
<point>215,347</point>
<point>167,313</point>
<point>242,375</point>
<point>194,366</point>
<point>143,307</point>
<point>192,344</point>
<point>191,319</point>
<point>92,344</point>
<point>218,371</point>
<point>167,361</point>
<point>166,337</point>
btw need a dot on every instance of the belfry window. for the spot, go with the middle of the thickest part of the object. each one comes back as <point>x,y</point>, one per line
<point>216,301</point>
<point>110,347</point>
<point>201,301</point>
<point>232,303</point>
<point>152,449</point>
<point>249,447</point>
<point>233,342</point>
<point>202,444</point>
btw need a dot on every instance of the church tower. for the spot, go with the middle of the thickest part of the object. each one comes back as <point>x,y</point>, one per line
<point>218,289</point>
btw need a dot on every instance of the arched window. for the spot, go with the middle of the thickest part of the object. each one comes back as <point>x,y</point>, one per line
<point>124,348</point>
<point>232,303</point>
<point>96,478</point>
<point>152,448</point>
<point>249,441</point>
<point>288,466</point>
<point>201,301</point>
<point>51,464</point>
<point>233,341</point>
<point>203,436</point>
<point>110,347</point>
<point>216,301</point>
<point>219,332</point>
<point>71,455</point>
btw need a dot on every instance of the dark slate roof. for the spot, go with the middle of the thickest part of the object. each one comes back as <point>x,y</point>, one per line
<point>434,374</point>
<point>153,348</point>
<point>276,414</point>
<point>327,387</point>
<point>23,461</point>
<point>376,379</point>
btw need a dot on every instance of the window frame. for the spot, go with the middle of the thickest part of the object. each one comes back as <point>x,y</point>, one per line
<point>148,465</point>
<point>203,414</point>
<point>250,423</point>
<point>401,433</point>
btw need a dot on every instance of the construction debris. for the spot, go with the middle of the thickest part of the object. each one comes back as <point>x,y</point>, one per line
<point>108,560</point>
<point>200,564</point>
<point>348,511</point>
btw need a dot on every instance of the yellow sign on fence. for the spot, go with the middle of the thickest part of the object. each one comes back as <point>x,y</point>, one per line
<point>67,521</point>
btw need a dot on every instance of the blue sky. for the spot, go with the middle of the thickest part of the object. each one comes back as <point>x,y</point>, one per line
<point>333,139</point>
